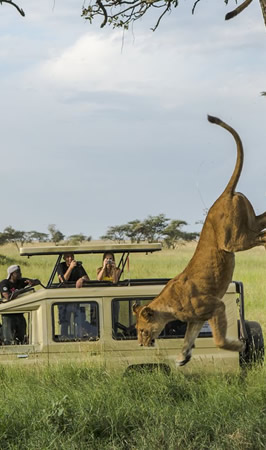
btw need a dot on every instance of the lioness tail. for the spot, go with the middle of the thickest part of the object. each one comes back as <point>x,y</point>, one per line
<point>230,188</point>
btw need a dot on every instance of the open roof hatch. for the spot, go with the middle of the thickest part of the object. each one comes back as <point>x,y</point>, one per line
<point>123,249</point>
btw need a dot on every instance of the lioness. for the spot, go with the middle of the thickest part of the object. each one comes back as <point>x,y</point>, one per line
<point>194,296</point>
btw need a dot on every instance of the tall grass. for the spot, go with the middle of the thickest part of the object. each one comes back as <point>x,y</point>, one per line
<point>78,408</point>
<point>75,407</point>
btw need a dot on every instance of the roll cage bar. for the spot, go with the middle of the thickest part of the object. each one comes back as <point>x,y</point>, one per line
<point>124,250</point>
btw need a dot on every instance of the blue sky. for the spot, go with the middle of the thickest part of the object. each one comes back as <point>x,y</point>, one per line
<point>100,128</point>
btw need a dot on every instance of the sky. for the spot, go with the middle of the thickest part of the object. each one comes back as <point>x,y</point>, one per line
<point>99,127</point>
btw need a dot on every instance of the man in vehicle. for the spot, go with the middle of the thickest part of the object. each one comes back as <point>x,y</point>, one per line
<point>14,325</point>
<point>72,271</point>
<point>69,271</point>
<point>10,287</point>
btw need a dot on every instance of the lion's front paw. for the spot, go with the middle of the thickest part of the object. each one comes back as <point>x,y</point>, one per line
<point>182,362</point>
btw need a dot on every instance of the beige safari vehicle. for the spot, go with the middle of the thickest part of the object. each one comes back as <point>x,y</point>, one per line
<point>95,324</point>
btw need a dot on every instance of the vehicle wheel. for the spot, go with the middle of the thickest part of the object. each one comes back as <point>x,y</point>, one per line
<point>254,352</point>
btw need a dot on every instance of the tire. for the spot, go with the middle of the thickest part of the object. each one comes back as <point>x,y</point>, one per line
<point>254,352</point>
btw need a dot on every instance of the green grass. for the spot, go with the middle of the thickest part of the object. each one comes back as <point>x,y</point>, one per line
<point>70,407</point>
<point>79,408</point>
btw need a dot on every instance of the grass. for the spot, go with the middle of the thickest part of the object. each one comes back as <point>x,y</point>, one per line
<point>79,408</point>
<point>69,407</point>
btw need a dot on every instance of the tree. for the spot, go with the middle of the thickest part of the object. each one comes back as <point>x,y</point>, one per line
<point>76,239</point>
<point>174,234</point>
<point>10,235</point>
<point>56,235</point>
<point>122,13</point>
<point>20,10</point>
<point>116,233</point>
<point>36,236</point>
<point>153,227</point>
<point>135,230</point>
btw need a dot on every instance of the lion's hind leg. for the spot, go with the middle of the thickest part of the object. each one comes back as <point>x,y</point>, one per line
<point>218,324</point>
<point>261,238</point>
<point>192,332</point>
<point>261,220</point>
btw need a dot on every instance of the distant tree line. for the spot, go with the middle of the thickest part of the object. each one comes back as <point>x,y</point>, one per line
<point>11,236</point>
<point>152,229</point>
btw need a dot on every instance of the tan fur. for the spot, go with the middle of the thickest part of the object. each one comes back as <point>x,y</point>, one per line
<point>194,296</point>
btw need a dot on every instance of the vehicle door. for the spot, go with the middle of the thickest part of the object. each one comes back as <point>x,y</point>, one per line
<point>19,342</point>
<point>121,346</point>
<point>75,331</point>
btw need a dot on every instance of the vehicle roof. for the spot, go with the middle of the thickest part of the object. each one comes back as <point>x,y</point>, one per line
<point>94,248</point>
<point>83,294</point>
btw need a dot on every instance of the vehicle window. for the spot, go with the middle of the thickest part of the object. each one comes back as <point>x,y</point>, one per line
<point>123,322</point>
<point>14,329</point>
<point>75,321</point>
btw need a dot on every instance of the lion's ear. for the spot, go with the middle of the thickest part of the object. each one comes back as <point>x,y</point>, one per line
<point>136,308</point>
<point>147,313</point>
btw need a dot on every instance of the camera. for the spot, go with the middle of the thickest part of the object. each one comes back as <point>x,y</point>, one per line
<point>79,263</point>
<point>109,261</point>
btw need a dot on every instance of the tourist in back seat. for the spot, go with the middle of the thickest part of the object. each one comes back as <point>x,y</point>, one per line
<point>108,271</point>
<point>72,271</point>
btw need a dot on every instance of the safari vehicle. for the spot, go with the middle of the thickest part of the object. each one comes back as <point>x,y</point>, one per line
<point>95,324</point>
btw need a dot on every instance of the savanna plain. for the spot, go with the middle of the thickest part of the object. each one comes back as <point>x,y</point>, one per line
<point>70,407</point>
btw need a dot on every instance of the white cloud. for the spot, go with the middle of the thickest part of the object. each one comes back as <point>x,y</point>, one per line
<point>78,110</point>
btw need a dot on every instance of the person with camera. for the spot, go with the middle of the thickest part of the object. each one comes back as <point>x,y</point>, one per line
<point>72,271</point>
<point>108,271</point>
<point>14,325</point>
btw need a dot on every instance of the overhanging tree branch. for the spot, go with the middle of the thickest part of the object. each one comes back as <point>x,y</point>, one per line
<point>238,10</point>
<point>20,10</point>
<point>122,13</point>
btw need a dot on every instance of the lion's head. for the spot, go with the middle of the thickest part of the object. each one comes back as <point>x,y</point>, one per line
<point>148,326</point>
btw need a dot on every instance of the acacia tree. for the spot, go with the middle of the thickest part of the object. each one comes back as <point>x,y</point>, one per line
<point>12,236</point>
<point>116,233</point>
<point>56,235</point>
<point>36,236</point>
<point>153,227</point>
<point>173,234</point>
<point>122,13</point>
<point>77,239</point>
<point>135,230</point>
